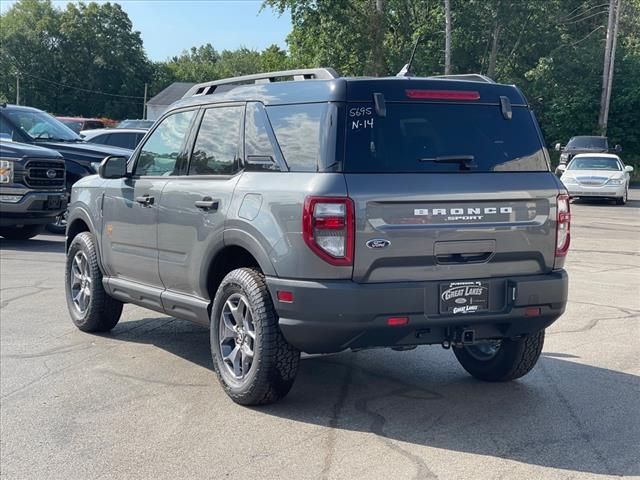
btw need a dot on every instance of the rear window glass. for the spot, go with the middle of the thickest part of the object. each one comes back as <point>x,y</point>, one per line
<point>432,137</point>
<point>588,142</point>
<point>297,130</point>
<point>595,163</point>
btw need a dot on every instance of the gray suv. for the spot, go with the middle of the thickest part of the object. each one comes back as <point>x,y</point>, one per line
<point>302,211</point>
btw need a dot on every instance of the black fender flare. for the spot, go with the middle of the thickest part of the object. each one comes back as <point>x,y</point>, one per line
<point>80,213</point>
<point>236,238</point>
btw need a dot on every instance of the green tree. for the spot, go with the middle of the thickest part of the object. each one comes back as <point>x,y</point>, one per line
<point>29,41</point>
<point>84,60</point>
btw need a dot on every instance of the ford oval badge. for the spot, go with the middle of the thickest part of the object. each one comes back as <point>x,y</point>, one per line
<point>378,243</point>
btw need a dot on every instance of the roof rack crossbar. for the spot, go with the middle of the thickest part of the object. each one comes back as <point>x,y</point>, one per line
<point>469,77</point>
<point>301,74</point>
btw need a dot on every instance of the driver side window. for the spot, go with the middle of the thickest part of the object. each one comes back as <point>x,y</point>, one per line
<point>163,153</point>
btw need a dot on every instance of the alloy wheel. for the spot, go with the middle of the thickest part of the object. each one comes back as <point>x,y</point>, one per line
<point>237,336</point>
<point>80,282</point>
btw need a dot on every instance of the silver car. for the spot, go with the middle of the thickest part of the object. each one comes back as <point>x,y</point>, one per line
<point>597,175</point>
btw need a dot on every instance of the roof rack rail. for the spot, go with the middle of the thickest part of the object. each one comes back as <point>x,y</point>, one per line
<point>300,74</point>
<point>468,77</point>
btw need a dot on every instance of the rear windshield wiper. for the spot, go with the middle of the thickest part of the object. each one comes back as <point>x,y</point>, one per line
<point>466,162</point>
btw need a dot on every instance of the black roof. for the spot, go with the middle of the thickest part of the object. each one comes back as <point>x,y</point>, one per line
<point>351,89</point>
<point>173,92</point>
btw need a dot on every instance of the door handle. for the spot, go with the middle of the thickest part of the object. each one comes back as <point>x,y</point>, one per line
<point>207,203</point>
<point>145,200</point>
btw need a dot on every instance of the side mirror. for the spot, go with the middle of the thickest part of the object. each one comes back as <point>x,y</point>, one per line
<point>561,168</point>
<point>617,149</point>
<point>113,167</point>
<point>558,147</point>
<point>628,169</point>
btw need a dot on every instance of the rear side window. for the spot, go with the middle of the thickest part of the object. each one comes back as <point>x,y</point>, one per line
<point>123,140</point>
<point>101,139</point>
<point>439,137</point>
<point>256,137</point>
<point>298,132</point>
<point>216,150</point>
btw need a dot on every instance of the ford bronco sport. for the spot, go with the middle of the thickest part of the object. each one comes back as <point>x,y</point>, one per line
<point>324,213</point>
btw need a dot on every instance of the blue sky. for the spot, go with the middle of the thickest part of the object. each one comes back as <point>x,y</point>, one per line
<point>170,26</point>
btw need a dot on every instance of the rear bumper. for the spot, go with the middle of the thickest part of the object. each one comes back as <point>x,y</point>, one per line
<point>330,316</point>
<point>33,208</point>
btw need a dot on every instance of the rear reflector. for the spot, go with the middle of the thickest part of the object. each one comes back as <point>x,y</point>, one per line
<point>285,297</point>
<point>532,312</point>
<point>397,321</point>
<point>443,94</point>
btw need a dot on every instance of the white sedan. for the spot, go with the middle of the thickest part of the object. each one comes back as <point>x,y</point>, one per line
<point>600,175</point>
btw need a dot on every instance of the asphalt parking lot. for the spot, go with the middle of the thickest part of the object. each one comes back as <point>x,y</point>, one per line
<point>142,402</point>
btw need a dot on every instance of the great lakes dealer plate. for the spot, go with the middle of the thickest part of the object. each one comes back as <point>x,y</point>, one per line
<point>464,297</point>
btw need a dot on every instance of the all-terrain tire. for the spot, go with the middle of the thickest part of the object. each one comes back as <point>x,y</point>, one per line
<point>275,361</point>
<point>514,359</point>
<point>21,233</point>
<point>102,312</point>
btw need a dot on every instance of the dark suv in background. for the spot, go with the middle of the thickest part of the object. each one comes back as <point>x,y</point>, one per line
<point>584,144</point>
<point>329,213</point>
<point>32,189</point>
<point>32,126</point>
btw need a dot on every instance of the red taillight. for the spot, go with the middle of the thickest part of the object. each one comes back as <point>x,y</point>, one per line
<point>563,225</point>
<point>328,230</point>
<point>443,94</point>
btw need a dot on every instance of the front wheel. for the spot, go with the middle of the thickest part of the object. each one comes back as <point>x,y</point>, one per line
<point>253,361</point>
<point>21,233</point>
<point>623,200</point>
<point>501,360</point>
<point>91,308</point>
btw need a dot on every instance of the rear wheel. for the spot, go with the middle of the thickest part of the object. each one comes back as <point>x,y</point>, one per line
<point>21,233</point>
<point>253,361</point>
<point>91,308</point>
<point>501,360</point>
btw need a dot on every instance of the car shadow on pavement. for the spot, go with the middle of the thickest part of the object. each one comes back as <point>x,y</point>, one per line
<point>565,414</point>
<point>33,245</point>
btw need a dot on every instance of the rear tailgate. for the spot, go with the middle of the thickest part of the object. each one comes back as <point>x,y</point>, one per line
<point>453,182</point>
<point>452,226</point>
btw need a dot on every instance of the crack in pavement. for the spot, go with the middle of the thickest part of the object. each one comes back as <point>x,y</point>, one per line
<point>147,380</point>
<point>584,434</point>
<point>36,286</point>
<point>338,406</point>
<point>377,425</point>
<point>377,428</point>
<point>53,351</point>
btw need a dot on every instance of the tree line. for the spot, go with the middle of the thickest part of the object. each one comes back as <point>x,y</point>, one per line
<point>86,59</point>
